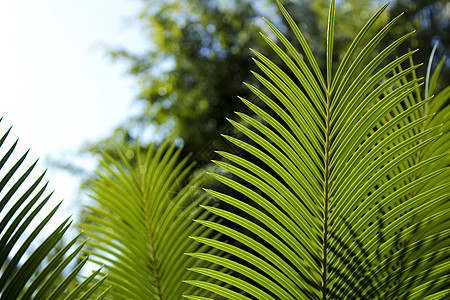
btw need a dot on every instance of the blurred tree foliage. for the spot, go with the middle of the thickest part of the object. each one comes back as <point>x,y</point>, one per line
<point>199,56</point>
<point>431,20</point>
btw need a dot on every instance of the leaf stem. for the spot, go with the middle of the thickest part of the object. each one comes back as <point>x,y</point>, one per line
<point>326,202</point>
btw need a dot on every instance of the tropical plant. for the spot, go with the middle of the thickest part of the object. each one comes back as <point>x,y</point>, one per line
<point>22,274</point>
<point>348,180</point>
<point>140,225</point>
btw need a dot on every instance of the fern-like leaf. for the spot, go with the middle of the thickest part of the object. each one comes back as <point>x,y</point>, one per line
<point>348,179</point>
<point>22,274</point>
<point>141,224</point>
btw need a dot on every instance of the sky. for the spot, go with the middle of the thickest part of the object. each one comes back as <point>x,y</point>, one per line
<point>58,88</point>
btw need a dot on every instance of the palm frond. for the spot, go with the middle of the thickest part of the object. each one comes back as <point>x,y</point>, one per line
<point>348,179</point>
<point>22,274</point>
<point>139,230</point>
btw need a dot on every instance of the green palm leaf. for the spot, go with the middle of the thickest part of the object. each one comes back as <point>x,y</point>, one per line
<point>346,193</point>
<point>139,230</point>
<point>21,272</point>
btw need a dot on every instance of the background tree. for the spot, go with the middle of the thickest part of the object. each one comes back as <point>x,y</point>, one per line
<point>198,58</point>
<point>199,54</point>
<point>431,20</point>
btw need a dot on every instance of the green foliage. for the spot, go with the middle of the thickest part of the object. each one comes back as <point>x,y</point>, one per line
<point>22,274</point>
<point>340,189</point>
<point>430,19</point>
<point>197,58</point>
<point>189,76</point>
<point>139,230</point>
<point>348,178</point>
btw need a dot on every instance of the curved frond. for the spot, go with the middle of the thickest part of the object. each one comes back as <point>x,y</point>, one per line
<point>22,274</point>
<point>139,229</point>
<point>344,190</point>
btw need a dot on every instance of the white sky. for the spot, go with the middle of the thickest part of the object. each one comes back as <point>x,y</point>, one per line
<point>57,87</point>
